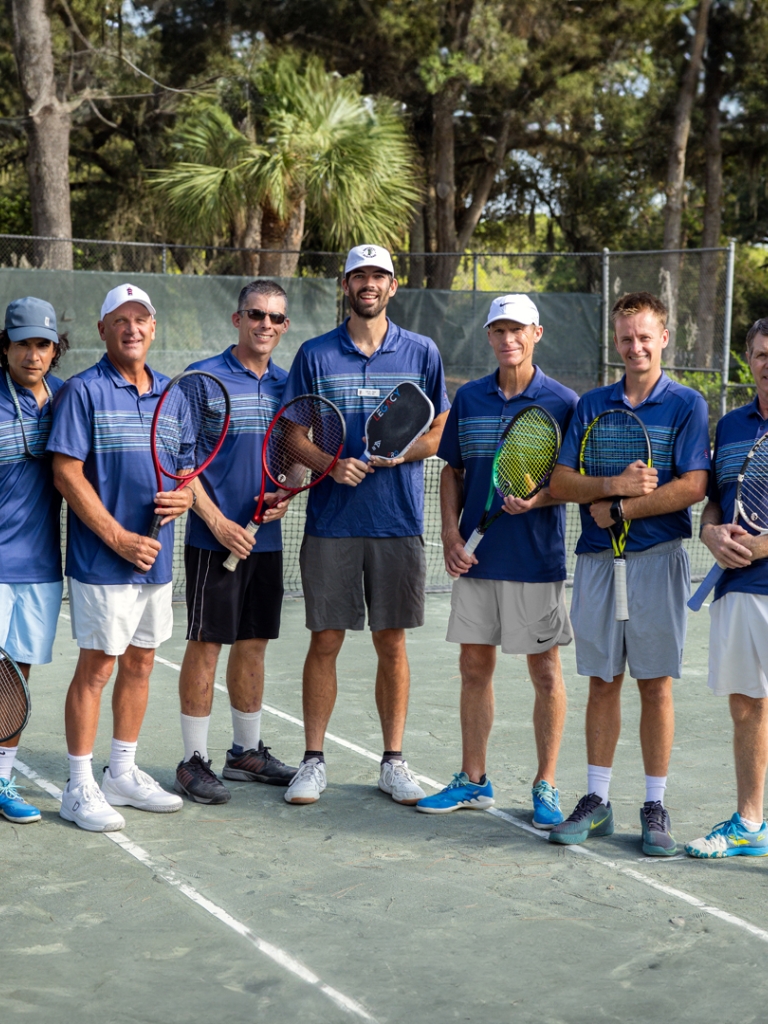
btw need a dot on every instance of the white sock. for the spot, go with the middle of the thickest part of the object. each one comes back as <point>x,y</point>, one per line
<point>246,729</point>
<point>7,757</point>
<point>194,733</point>
<point>751,826</point>
<point>122,757</point>
<point>599,780</point>
<point>654,788</point>
<point>80,769</point>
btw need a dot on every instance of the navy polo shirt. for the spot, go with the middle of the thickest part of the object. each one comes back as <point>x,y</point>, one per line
<point>388,502</point>
<point>233,479</point>
<point>736,434</point>
<point>527,548</point>
<point>102,420</point>
<point>676,418</point>
<point>30,546</point>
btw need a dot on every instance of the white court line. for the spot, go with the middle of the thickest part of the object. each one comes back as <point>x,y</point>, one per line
<point>279,956</point>
<point>638,876</point>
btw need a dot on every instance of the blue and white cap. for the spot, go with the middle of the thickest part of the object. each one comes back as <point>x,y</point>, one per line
<point>369,256</point>
<point>518,308</point>
<point>31,318</point>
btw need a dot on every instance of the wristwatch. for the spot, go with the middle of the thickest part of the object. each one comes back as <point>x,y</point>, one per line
<point>617,512</point>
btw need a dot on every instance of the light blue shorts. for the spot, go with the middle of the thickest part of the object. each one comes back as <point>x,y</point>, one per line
<point>651,641</point>
<point>28,616</point>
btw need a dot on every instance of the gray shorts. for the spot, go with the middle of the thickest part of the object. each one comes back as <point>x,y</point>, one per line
<point>343,575</point>
<point>651,641</point>
<point>525,618</point>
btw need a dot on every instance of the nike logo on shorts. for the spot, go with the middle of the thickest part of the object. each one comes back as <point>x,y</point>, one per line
<point>545,641</point>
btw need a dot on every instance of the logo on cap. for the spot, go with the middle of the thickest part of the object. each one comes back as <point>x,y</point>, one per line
<point>369,252</point>
<point>129,290</point>
<point>47,321</point>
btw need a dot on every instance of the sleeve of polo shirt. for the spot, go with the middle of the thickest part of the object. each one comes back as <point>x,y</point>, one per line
<point>449,449</point>
<point>72,429</point>
<point>300,379</point>
<point>691,449</point>
<point>569,450</point>
<point>435,388</point>
<point>713,490</point>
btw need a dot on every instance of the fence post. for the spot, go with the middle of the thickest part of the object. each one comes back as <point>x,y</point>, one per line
<point>728,322</point>
<point>606,317</point>
<point>165,260</point>
<point>474,272</point>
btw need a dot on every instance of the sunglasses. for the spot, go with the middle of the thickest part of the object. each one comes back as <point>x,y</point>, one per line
<point>259,314</point>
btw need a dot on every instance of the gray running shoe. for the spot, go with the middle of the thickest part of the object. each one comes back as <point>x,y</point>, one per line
<point>657,836</point>
<point>590,818</point>
<point>195,779</point>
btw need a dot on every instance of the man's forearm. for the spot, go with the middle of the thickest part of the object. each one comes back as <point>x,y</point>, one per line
<point>80,495</point>
<point>427,445</point>
<point>673,496</point>
<point>451,500</point>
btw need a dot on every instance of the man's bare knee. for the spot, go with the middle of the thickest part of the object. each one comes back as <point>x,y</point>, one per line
<point>326,643</point>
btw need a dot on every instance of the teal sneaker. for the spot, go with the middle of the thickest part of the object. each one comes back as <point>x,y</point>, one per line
<point>590,818</point>
<point>459,792</point>
<point>14,807</point>
<point>546,806</point>
<point>731,839</point>
<point>658,840</point>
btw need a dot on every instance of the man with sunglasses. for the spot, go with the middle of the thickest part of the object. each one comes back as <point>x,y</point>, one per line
<point>241,608</point>
<point>30,549</point>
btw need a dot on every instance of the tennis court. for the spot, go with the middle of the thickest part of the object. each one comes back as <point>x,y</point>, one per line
<point>357,908</point>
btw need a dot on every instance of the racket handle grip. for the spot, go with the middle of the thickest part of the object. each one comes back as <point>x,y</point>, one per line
<point>620,589</point>
<point>152,532</point>
<point>474,540</point>
<point>233,561</point>
<point>366,457</point>
<point>706,587</point>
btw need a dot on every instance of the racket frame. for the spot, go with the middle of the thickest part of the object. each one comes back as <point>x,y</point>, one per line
<point>618,531</point>
<point>367,454</point>
<point>5,656</point>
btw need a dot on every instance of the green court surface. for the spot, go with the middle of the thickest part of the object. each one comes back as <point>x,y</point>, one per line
<point>358,909</point>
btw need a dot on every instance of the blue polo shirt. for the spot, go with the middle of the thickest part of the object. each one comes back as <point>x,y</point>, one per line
<point>30,546</point>
<point>527,548</point>
<point>734,437</point>
<point>388,502</point>
<point>102,420</point>
<point>234,477</point>
<point>676,419</point>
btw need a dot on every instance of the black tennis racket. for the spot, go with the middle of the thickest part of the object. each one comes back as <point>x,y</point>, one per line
<point>15,705</point>
<point>612,441</point>
<point>523,462</point>
<point>397,422</point>
<point>301,446</point>
<point>751,506</point>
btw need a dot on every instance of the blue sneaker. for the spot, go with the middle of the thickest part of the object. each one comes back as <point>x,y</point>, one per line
<point>459,792</point>
<point>546,806</point>
<point>731,839</point>
<point>13,807</point>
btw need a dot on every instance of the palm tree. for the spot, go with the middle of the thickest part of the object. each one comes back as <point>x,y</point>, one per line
<point>313,148</point>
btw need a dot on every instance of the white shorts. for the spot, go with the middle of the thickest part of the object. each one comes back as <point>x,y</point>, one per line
<point>28,616</point>
<point>738,645</point>
<point>110,617</point>
<point>525,618</point>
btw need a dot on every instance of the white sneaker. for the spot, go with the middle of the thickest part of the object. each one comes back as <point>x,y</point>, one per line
<point>307,784</point>
<point>135,788</point>
<point>86,806</point>
<point>396,778</point>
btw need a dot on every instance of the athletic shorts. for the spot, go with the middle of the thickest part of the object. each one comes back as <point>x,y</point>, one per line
<point>525,618</point>
<point>651,641</point>
<point>110,617</point>
<point>224,606</point>
<point>738,645</point>
<point>28,616</point>
<point>342,575</point>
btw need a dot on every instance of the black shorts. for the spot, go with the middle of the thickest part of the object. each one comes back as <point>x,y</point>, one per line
<point>224,606</point>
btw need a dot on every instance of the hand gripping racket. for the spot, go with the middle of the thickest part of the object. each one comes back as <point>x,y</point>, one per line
<point>524,459</point>
<point>397,422</point>
<point>15,704</point>
<point>614,440</point>
<point>751,506</point>
<point>301,446</point>
<point>188,429</point>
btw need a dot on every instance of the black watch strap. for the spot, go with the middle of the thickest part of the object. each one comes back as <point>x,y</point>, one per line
<point>617,513</point>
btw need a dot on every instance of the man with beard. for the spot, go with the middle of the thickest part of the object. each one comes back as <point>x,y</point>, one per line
<point>363,544</point>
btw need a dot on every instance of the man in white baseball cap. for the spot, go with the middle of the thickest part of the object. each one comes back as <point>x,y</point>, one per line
<point>119,579</point>
<point>368,256</point>
<point>516,308</point>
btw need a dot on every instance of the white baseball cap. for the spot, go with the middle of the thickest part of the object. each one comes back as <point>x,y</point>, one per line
<point>369,256</point>
<point>513,307</point>
<point>125,293</point>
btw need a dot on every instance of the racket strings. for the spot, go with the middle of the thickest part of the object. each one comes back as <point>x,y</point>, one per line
<point>13,699</point>
<point>527,456</point>
<point>190,424</point>
<point>612,444</point>
<point>303,442</point>
<point>753,490</point>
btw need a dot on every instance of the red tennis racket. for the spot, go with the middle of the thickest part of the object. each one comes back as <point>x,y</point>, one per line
<point>301,446</point>
<point>188,429</point>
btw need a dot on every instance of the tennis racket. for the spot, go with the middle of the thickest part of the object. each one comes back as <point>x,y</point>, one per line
<point>751,506</point>
<point>15,704</point>
<point>524,459</point>
<point>301,446</point>
<point>188,429</point>
<point>612,441</point>
<point>397,422</point>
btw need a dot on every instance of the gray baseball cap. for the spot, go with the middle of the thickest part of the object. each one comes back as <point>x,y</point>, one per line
<point>31,318</point>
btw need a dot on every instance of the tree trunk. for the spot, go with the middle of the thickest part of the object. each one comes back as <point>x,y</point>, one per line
<point>249,239</point>
<point>444,267</point>
<point>285,235</point>
<point>47,127</point>
<point>416,246</point>
<point>673,211</point>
